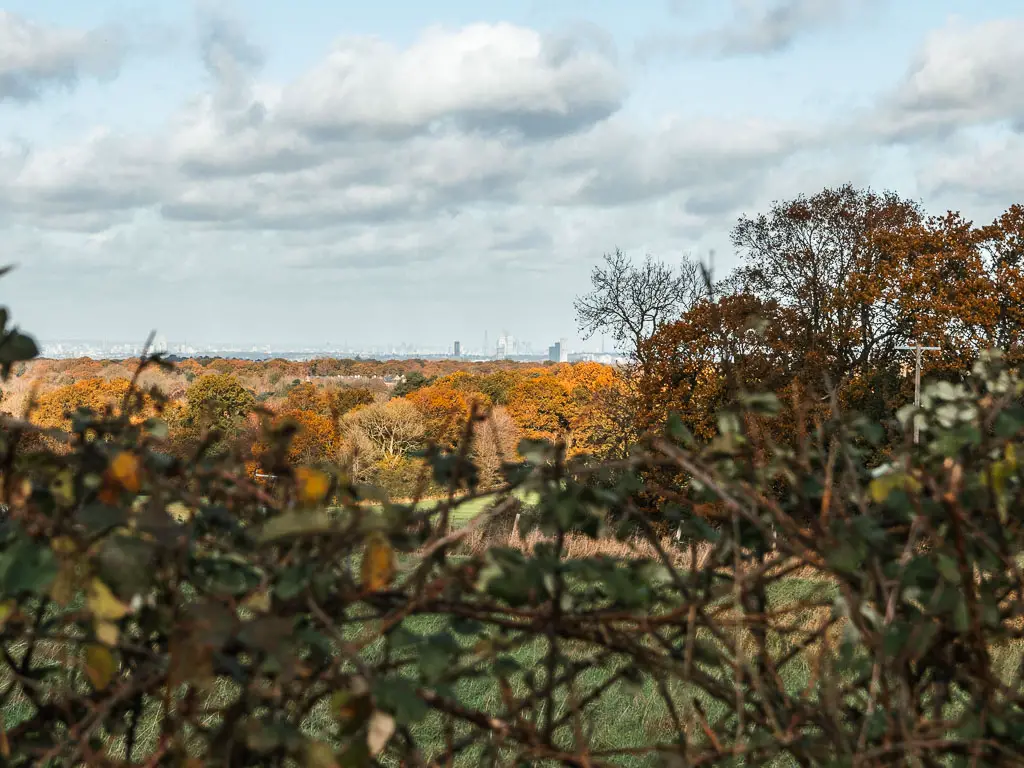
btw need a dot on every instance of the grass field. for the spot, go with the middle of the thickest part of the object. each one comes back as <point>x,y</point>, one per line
<point>467,510</point>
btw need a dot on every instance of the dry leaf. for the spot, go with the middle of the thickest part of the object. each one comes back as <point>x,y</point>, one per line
<point>380,730</point>
<point>126,471</point>
<point>378,568</point>
<point>179,511</point>
<point>63,488</point>
<point>6,610</point>
<point>311,485</point>
<point>107,632</point>
<point>103,604</point>
<point>258,601</point>
<point>99,666</point>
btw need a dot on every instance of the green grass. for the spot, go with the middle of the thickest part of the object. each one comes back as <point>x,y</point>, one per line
<point>468,510</point>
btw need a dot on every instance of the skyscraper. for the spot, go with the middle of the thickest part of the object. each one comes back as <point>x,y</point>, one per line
<point>558,352</point>
<point>458,349</point>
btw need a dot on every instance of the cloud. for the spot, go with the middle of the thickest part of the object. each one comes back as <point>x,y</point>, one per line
<point>756,27</point>
<point>35,58</point>
<point>487,77</point>
<point>964,74</point>
<point>988,171</point>
<point>86,186</point>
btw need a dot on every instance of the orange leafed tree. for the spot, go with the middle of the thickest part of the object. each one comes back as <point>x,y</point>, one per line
<point>446,411</point>
<point>52,408</point>
<point>541,408</point>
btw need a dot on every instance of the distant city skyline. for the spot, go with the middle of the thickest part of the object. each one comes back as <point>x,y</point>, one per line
<point>67,348</point>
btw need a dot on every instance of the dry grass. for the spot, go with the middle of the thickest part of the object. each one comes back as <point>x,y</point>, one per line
<point>579,546</point>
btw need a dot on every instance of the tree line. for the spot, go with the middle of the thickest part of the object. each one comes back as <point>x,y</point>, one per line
<point>827,290</point>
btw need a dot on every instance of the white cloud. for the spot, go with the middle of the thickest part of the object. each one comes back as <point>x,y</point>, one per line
<point>964,74</point>
<point>35,57</point>
<point>990,171</point>
<point>482,76</point>
<point>755,27</point>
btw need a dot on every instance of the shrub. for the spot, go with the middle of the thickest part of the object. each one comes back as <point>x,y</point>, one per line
<point>155,612</point>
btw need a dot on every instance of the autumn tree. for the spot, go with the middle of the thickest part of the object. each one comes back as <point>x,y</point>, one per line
<point>215,402</point>
<point>305,396</point>
<point>1001,246</point>
<point>595,397</point>
<point>446,411</point>
<point>54,408</point>
<point>629,302</point>
<point>701,362</point>
<point>381,433</point>
<point>316,439</point>
<point>344,399</point>
<point>829,260</point>
<point>541,408</point>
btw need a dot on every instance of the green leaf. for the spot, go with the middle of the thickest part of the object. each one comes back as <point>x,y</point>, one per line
<point>847,557</point>
<point>948,569</point>
<point>99,518</point>
<point>304,523</point>
<point>27,566</point>
<point>678,431</point>
<point>293,581</point>
<point>397,696</point>
<point>761,403</point>
<point>1010,421</point>
<point>15,347</point>
<point>126,564</point>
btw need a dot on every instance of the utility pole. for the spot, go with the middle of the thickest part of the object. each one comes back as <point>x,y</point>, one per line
<point>918,349</point>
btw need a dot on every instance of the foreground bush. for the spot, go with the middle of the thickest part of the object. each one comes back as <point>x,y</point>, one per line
<point>162,612</point>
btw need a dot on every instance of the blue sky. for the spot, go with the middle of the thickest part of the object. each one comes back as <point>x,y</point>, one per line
<point>392,171</point>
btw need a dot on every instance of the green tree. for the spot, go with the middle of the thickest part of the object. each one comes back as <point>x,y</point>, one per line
<point>410,383</point>
<point>216,402</point>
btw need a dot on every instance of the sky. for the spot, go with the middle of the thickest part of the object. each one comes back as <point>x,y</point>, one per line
<point>371,173</point>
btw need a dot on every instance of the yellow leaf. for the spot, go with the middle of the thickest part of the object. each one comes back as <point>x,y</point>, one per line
<point>126,470</point>
<point>883,485</point>
<point>258,601</point>
<point>63,545</point>
<point>103,604</point>
<point>63,488</point>
<point>311,485</point>
<point>63,588</point>
<point>179,511</point>
<point>107,632</point>
<point>6,610</point>
<point>99,666</point>
<point>320,755</point>
<point>378,568</point>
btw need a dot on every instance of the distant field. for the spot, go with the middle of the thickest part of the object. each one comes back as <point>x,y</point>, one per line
<point>466,511</point>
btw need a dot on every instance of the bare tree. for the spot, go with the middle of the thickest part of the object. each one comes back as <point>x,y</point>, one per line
<point>494,442</point>
<point>380,431</point>
<point>631,301</point>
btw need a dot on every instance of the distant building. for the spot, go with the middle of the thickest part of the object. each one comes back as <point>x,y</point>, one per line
<point>605,358</point>
<point>506,346</point>
<point>557,353</point>
<point>458,349</point>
